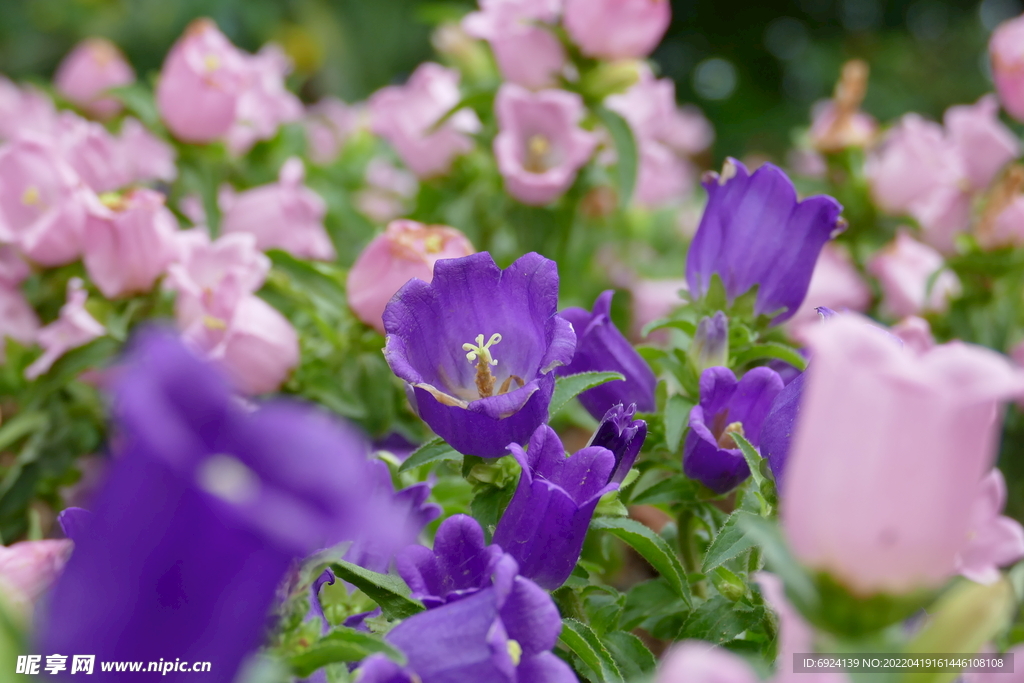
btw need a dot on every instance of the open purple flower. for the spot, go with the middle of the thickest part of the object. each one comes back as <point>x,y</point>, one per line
<point>727,407</point>
<point>202,513</point>
<point>545,524</point>
<point>623,436</point>
<point>477,346</point>
<point>601,347</point>
<point>755,232</point>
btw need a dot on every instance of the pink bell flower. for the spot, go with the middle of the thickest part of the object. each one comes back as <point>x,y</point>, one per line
<point>1008,65</point>
<point>265,103</point>
<point>617,29</point>
<point>994,540</point>
<point>28,569</point>
<point>73,328</point>
<point>907,269</point>
<point>92,68</point>
<point>528,53</point>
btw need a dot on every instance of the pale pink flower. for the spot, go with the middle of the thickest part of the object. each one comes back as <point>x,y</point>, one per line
<point>232,262</point>
<point>829,132</point>
<point>694,661</point>
<point>879,484</point>
<point>1000,676</point>
<point>617,29</point>
<point>146,156</point>
<point>129,243</point>
<point>407,117</point>
<point>28,569</point>
<point>913,276</point>
<point>915,333</point>
<point>1004,49</point>
<point>984,143</point>
<point>1008,226</point>
<point>96,155</point>
<point>835,283</point>
<point>283,215</point>
<point>540,146</point>
<point>92,68</point>
<point>654,299</point>
<point>993,540</point>
<point>13,269</point>
<point>528,53</point>
<point>18,320</point>
<point>24,110</point>
<point>406,250</point>
<point>388,191</point>
<point>264,103</point>
<point>329,124</point>
<point>73,328</point>
<point>201,82</point>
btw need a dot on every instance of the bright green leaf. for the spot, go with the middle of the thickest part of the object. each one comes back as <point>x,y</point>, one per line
<point>571,386</point>
<point>731,540</point>
<point>585,644</point>
<point>341,645</point>
<point>387,591</point>
<point>771,350</point>
<point>651,547</point>
<point>625,149</point>
<point>432,451</point>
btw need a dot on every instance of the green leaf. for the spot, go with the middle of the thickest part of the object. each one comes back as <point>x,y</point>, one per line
<point>719,620</point>
<point>799,585</point>
<point>651,547</point>
<point>687,326</point>
<point>387,591</point>
<point>341,645</point>
<point>772,350</point>
<point>671,490</point>
<point>752,457</point>
<point>731,540</point>
<point>585,644</point>
<point>630,654</point>
<point>626,149</point>
<point>432,451</point>
<point>138,100</point>
<point>677,414</point>
<point>19,426</point>
<point>571,386</point>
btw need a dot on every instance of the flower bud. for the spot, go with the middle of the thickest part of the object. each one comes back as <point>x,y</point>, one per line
<point>617,29</point>
<point>1008,65</point>
<point>710,347</point>
<point>93,67</point>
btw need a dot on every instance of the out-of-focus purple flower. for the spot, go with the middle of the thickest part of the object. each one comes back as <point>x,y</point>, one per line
<point>406,116</point>
<point>540,146</point>
<point>201,82</point>
<point>284,215</point>
<point>477,346</point>
<point>329,124</point>
<point>907,269</point>
<point>836,284</point>
<point>406,250</point>
<point>527,52</point>
<point>727,407</point>
<point>502,632</point>
<point>875,416</point>
<point>264,103</point>
<point>28,569</point>
<point>24,110</point>
<point>693,661</point>
<point>75,327</point>
<point>1008,65</point>
<point>994,540</point>
<point>43,203</point>
<point>146,156</point>
<point>130,243</point>
<point>202,513</point>
<point>92,68</point>
<point>459,565</point>
<point>545,524</point>
<point>755,232</point>
<point>601,347</point>
<point>623,436</point>
<point>710,346</point>
<point>779,425</point>
<point>617,29</point>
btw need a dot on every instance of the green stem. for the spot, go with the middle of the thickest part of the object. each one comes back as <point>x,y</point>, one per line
<point>688,551</point>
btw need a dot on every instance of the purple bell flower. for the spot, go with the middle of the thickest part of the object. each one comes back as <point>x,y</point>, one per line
<point>203,512</point>
<point>755,232</point>
<point>477,346</point>
<point>623,436</point>
<point>778,428</point>
<point>601,347</point>
<point>710,454</point>
<point>546,521</point>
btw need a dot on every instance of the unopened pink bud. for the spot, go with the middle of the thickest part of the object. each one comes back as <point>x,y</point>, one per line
<point>91,69</point>
<point>617,29</point>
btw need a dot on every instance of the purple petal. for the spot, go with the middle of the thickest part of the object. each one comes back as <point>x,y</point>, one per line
<point>545,668</point>
<point>778,428</point>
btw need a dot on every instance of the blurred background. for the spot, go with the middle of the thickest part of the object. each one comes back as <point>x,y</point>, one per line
<point>755,68</point>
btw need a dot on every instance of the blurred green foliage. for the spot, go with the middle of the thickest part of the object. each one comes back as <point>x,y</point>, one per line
<point>754,67</point>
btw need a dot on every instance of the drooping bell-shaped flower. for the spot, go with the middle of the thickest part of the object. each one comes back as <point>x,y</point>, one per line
<point>755,232</point>
<point>528,53</point>
<point>92,68</point>
<point>994,540</point>
<point>545,524</point>
<point>1008,65</point>
<point>727,407</point>
<point>601,347</point>
<point>540,146</point>
<point>623,436</point>
<point>913,277</point>
<point>477,346</point>
<point>73,328</point>
<point>617,29</point>
<point>202,513</point>
<point>406,250</point>
<point>875,417</point>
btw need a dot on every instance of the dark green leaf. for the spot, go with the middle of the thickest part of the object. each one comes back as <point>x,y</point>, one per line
<point>387,591</point>
<point>341,645</point>
<point>671,490</point>
<point>630,654</point>
<point>571,386</point>
<point>772,350</point>
<point>625,149</point>
<point>432,451</point>
<point>752,457</point>
<point>677,414</point>
<point>731,540</point>
<point>651,547</point>
<point>719,620</point>
<point>585,644</point>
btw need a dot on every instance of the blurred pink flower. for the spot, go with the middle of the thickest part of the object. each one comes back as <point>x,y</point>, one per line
<point>915,333</point>
<point>28,569</point>
<point>695,661</point>
<point>13,269</point>
<point>43,202</point>
<point>527,52</point>
<point>129,243</point>
<point>994,540</point>
<point>1008,226</point>
<point>96,155</point>
<point>329,124</point>
<point>18,320</point>
<point>231,263</point>
<point>73,328</point>
<point>406,250</point>
<point>999,676</point>
<point>836,283</point>
<point>92,68</point>
<point>540,146</point>
<point>907,269</point>
<point>879,482</point>
<point>617,29</point>
<point>283,215</point>
<point>984,143</point>
<point>388,191</point>
<point>24,110</point>
<point>829,133</point>
<point>146,157</point>
<point>654,299</point>
<point>201,82</point>
<point>265,103</point>
<point>406,116</point>
<point>1008,65</point>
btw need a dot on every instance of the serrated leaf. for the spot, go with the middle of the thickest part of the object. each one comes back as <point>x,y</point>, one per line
<point>772,350</point>
<point>571,386</point>
<point>732,539</point>
<point>585,644</point>
<point>341,645</point>
<point>630,654</point>
<point>432,451</point>
<point>628,161</point>
<point>677,414</point>
<point>718,621</point>
<point>651,547</point>
<point>387,591</point>
<point>669,490</point>
<point>752,457</point>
